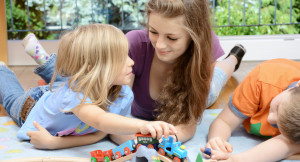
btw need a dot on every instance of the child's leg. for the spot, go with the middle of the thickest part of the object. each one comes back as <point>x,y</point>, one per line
<point>11,93</point>
<point>14,99</point>
<point>35,49</point>
<point>46,70</point>
<point>46,62</point>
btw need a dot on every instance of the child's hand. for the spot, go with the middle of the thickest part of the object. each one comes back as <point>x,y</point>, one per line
<point>157,129</point>
<point>217,155</point>
<point>220,144</point>
<point>41,139</point>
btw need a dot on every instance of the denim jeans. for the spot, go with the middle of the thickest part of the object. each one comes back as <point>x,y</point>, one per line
<point>13,96</point>
<point>218,81</point>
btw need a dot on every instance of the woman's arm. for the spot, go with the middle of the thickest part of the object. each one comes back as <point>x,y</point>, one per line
<point>186,131</point>
<point>42,139</point>
<point>221,128</point>
<point>274,149</point>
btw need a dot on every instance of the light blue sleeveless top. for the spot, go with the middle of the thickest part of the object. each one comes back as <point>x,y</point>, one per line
<point>49,112</point>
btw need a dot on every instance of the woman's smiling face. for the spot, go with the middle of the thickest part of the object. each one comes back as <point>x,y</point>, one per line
<point>168,37</point>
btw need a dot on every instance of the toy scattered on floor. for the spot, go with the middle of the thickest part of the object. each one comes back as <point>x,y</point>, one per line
<point>173,150</point>
<point>167,148</point>
<point>98,155</point>
<point>147,141</point>
<point>113,154</point>
<point>145,154</point>
<point>124,149</point>
<point>199,158</point>
<point>207,151</point>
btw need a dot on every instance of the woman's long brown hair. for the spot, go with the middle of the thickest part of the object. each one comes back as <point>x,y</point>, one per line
<point>183,98</point>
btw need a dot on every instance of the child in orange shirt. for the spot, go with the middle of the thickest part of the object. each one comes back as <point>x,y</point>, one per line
<point>267,102</point>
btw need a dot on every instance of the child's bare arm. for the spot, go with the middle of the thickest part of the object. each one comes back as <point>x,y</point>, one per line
<point>220,130</point>
<point>42,139</point>
<point>116,124</point>
<point>274,149</point>
<point>103,121</point>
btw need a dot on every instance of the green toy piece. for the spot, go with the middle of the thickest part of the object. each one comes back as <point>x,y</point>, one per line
<point>199,158</point>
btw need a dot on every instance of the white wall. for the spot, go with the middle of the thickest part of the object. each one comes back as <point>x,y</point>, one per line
<point>258,48</point>
<point>265,47</point>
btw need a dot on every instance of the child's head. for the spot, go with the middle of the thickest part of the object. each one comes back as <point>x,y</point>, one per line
<point>95,57</point>
<point>285,112</point>
<point>180,32</point>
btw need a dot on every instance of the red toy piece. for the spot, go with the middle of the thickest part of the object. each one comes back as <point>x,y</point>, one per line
<point>99,156</point>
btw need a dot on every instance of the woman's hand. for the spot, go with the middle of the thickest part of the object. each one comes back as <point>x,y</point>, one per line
<point>157,129</point>
<point>41,139</point>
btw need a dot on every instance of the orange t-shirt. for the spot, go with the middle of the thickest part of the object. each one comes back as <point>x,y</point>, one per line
<point>251,99</point>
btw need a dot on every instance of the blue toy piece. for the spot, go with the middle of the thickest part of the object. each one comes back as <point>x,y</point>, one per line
<point>124,149</point>
<point>207,151</point>
<point>173,150</point>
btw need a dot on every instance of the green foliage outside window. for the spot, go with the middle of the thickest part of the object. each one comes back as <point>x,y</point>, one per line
<point>82,12</point>
<point>20,20</point>
<point>252,17</point>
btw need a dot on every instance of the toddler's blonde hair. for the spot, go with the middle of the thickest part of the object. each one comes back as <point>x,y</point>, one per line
<point>92,56</point>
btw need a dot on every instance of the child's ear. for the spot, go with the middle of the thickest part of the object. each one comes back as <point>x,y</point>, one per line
<point>298,84</point>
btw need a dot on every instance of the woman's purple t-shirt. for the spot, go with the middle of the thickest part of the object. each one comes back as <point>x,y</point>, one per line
<point>141,52</point>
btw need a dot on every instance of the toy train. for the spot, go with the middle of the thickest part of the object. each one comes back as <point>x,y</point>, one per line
<point>147,141</point>
<point>113,154</point>
<point>169,148</point>
<point>173,150</point>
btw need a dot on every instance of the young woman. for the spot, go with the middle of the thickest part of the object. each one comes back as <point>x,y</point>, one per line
<point>175,77</point>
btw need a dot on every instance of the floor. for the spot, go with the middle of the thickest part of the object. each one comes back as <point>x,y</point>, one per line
<point>28,80</point>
